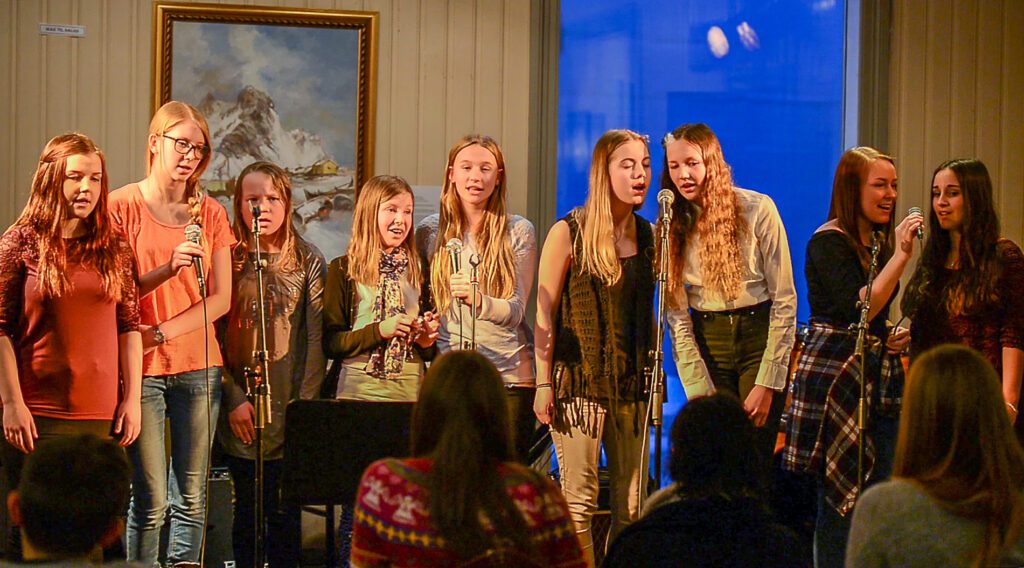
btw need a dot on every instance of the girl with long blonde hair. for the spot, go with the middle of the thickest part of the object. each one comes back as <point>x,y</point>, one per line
<point>594,332</point>
<point>473,211</point>
<point>182,363</point>
<point>378,326</point>
<point>730,277</point>
<point>957,493</point>
<point>293,282</point>
<point>69,312</point>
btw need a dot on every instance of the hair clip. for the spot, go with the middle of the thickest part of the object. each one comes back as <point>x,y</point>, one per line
<point>668,139</point>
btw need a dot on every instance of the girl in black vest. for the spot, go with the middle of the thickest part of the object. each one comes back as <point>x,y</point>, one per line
<point>594,327</point>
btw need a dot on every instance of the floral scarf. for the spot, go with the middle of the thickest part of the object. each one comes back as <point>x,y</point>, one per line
<point>387,361</point>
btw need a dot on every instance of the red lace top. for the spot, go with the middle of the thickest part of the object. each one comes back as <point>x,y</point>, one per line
<point>392,525</point>
<point>990,328</point>
<point>66,347</point>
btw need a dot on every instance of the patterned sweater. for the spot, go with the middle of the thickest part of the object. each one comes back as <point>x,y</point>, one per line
<point>392,525</point>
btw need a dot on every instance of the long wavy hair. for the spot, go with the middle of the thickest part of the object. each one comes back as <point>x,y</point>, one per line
<point>845,207</point>
<point>493,242</point>
<point>973,285</point>
<point>719,224</point>
<point>167,117</point>
<point>364,247</point>
<point>291,253</point>
<point>597,228</point>
<point>46,213</point>
<point>461,421</point>
<point>956,442</point>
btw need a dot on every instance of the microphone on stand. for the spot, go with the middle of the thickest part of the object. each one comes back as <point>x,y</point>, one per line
<point>665,199</point>
<point>454,248</point>
<point>920,231</point>
<point>193,233</point>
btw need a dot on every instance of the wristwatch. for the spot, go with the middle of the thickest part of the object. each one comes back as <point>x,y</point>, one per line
<point>158,335</point>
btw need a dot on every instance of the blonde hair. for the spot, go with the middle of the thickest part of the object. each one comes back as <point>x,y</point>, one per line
<point>956,442</point>
<point>719,224</point>
<point>597,232</point>
<point>290,258</point>
<point>498,280</point>
<point>365,245</point>
<point>167,117</point>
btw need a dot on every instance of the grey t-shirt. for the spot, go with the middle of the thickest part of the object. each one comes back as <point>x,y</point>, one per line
<point>896,524</point>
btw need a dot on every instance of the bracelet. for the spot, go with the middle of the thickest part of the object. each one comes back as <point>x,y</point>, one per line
<point>1012,407</point>
<point>548,385</point>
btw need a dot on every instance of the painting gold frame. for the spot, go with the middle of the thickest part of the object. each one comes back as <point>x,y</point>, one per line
<point>166,14</point>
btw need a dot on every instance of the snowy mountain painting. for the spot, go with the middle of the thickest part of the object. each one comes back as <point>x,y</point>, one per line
<point>287,95</point>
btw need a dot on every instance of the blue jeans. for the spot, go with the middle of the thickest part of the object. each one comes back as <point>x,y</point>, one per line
<point>182,399</point>
<point>832,530</point>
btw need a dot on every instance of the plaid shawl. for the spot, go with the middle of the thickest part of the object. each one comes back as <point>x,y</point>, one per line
<point>822,430</point>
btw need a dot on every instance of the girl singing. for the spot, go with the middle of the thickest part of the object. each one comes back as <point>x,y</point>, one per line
<point>473,211</point>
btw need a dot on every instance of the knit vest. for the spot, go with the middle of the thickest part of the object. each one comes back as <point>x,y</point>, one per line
<point>588,362</point>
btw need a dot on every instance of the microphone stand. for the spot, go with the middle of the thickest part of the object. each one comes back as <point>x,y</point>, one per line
<point>859,355</point>
<point>258,385</point>
<point>474,262</point>
<point>656,372</point>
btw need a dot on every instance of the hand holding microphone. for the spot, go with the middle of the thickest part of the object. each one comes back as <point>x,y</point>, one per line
<point>920,228</point>
<point>193,234</point>
<point>909,228</point>
<point>454,248</point>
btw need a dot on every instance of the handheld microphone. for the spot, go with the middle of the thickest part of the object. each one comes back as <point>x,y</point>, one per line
<point>193,233</point>
<point>665,199</point>
<point>454,248</point>
<point>920,231</point>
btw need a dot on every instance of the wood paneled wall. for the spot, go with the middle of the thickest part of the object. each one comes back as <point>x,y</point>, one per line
<point>956,79</point>
<point>446,68</point>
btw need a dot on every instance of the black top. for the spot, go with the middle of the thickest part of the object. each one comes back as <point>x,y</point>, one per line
<point>624,296</point>
<point>708,533</point>
<point>834,279</point>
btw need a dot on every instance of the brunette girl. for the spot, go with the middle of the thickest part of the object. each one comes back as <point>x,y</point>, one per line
<point>461,500</point>
<point>969,284</point>
<point>473,211</point>
<point>293,282</point>
<point>957,494</point>
<point>182,364</point>
<point>69,312</point>
<point>594,327</point>
<point>732,312</point>
<point>822,433</point>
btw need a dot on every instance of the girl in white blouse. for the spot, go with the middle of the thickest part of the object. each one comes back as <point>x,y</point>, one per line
<point>732,303</point>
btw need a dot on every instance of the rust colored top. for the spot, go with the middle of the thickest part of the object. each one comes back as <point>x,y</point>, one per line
<point>152,243</point>
<point>66,347</point>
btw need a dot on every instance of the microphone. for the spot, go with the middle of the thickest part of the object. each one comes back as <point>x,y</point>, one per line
<point>454,248</point>
<point>920,231</point>
<point>193,233</point>
<point>665,199</point>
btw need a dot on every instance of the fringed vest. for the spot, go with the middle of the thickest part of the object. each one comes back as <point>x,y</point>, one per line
<point>588,361</point>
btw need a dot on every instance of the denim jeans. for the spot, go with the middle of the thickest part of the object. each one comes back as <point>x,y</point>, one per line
<point>832,530</point>
<point>181,399</point>
<point>284,522</point>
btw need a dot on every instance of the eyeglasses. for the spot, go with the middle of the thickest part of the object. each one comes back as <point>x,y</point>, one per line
<point>183,147</point>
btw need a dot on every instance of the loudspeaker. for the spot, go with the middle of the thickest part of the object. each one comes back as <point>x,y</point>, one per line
<point>219,553</point>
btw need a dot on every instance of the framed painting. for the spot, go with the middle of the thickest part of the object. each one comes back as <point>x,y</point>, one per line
<point>295,87</point>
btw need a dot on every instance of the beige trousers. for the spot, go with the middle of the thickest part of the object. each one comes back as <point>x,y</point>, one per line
<point>578,448</point>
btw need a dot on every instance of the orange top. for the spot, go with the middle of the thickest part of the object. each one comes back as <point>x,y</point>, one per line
<point>152,243</point>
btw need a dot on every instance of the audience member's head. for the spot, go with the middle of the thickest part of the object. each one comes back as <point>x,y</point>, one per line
<point>72,493</point>
<point>461,421</point>
<point>713,448</point>
<point>957,443</point>
<point>462,408</point>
